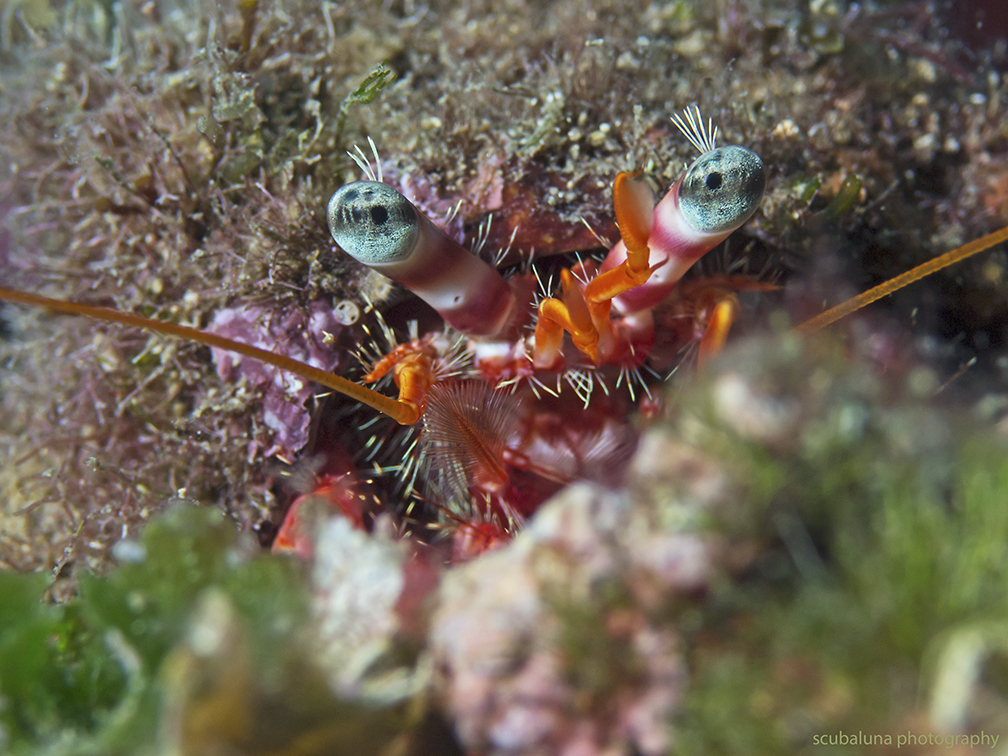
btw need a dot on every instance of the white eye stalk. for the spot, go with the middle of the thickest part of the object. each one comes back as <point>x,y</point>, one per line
<point>717,194</point>
<point>379,227</point>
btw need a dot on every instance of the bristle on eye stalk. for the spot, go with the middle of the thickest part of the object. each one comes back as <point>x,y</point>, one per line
<point>467,426</point>
<point>692,126</point>
<point>372,174</point>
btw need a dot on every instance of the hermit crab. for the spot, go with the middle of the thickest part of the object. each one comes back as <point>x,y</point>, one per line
<point>504,391</point>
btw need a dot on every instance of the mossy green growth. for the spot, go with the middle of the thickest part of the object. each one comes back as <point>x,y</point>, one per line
<point>83,677</point>
<point>925,558</point>
<point>56,673</point>
<point>366,92</point>
<point>730,684</point>
<point>803,187</point>
<point>883,526</point>
<point>184,552</point>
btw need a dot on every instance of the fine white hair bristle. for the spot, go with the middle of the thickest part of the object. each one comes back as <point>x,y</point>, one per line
<point>372,174</point>
<point>700,135</point>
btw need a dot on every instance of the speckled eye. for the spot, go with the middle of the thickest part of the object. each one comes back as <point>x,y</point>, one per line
<point>722,189</point>
<point>373,223</point>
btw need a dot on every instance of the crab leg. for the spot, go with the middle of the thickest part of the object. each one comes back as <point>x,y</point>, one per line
<point>570,315</point>
<point>716,333</point>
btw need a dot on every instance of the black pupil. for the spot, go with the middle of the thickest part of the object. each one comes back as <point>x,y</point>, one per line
<point>713,181</point>
<point>379,215</point>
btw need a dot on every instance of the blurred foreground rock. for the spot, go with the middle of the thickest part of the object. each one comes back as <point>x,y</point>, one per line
<point>557,644</point>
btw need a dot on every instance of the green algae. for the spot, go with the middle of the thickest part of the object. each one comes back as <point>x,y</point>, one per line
<point>57,673</point>
<point>597,662</point>
<point>883,522</point>
<point>844,200</point>
<point>125,666</point>
<point>366,92</point>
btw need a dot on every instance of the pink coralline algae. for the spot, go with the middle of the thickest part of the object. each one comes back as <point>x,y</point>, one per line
<point>283,394</point>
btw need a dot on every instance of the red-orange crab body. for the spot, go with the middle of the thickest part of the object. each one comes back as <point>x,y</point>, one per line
<point>481,443</point>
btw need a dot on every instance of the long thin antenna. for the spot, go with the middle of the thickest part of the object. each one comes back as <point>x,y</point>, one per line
<point>400,412</point>
<point>904,279</point>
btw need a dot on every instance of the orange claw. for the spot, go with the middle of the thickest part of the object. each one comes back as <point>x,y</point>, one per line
<point>413,377</point>
<point>573,315</point>
<point>553,320</point>
<point>585,314</point>
<point>583,332</point>
<point>412,368</point>
<point>634,204</point>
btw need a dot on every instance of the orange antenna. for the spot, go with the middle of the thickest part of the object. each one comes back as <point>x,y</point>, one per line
<point>904,279</point>
<point>398,411</point>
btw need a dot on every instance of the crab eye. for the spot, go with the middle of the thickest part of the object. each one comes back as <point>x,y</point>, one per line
<point>379,227</point>
<point>722,189</point>
<point>373,223</point>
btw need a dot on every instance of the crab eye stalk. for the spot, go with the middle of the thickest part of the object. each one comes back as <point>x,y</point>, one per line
<point>722,189</point>
<point>718,193</point>
<point>379,227</point>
